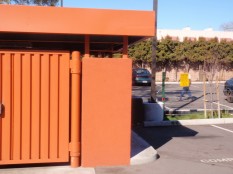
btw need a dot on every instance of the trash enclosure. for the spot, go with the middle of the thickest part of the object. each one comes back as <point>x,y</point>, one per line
<point>63,96</point>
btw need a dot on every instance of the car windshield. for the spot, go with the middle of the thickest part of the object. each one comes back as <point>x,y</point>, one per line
<point>230,81</point>
<point>142,71</point>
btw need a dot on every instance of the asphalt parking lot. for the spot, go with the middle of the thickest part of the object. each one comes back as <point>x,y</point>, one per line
<point>193,148</point>
<point>184,150</point>
<point>172,93</point>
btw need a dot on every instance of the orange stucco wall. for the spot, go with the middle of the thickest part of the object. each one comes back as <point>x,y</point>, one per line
<point>106,111</point>
<point>58,20</point>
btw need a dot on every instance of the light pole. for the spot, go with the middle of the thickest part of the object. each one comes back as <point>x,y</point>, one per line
<point>61,3</point>
<point>154,44</point>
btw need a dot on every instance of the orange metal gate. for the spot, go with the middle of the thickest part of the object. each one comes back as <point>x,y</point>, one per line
<point>35,98</point>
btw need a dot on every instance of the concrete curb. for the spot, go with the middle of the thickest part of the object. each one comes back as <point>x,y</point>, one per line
<point>183,111</point>
<point>159,83</point>
<point>145,153</point>
<point>189,122</point>
<point>48,170</point>
<point>188,111</point>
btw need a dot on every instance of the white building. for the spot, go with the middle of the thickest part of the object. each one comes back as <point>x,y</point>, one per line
<point>194,34</point>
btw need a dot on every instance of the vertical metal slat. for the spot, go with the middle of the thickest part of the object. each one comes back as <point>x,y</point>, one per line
<point>54,100</point>
<point>44,107</point>
<point>6,100</point>
<point>17,98</point>
<point>64,104</point>
<point>26,107</point>
<point>35,112</point>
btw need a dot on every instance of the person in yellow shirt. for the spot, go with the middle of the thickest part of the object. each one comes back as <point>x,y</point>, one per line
<point>185,82</point>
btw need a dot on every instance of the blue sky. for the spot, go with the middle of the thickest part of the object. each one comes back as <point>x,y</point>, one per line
<point>172,14</point>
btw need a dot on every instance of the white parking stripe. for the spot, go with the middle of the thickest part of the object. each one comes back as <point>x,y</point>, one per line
<point>221,160</point>
<point>220,104</point>
<point>223,105</point>
<point>195,86</point>
<point>222,128</point>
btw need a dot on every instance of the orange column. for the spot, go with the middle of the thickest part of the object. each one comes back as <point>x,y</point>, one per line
<point>125,46</point>
<point>75,109</point>
<point>0,105</point>
<point>0,85</point>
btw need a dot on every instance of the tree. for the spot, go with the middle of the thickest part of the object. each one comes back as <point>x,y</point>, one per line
<point>171,54</point>
<point>141,53</point>
<point>166,52</point>
<point>45,2</point>
<point>5,1</point>
<point>31,2</point>
<point>227,26</point>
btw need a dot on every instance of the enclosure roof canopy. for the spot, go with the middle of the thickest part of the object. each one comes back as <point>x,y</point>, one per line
<point>36,20</point>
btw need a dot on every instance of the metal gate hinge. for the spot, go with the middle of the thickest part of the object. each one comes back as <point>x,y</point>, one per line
<point>75,67</point>
<point>75,148</point>
<point>1,108</point>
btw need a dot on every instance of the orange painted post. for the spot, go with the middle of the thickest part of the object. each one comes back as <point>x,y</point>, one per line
<point>75,109</point>
<point>1,106</point>
<point>125,46</point>
<point>87,46</point>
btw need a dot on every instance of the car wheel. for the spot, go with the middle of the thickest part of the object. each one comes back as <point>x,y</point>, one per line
<point>230,99</point>
<point>228,93</point>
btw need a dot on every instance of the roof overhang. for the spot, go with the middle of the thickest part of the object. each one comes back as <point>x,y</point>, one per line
<point>58,20</point>
<point>70,25</point>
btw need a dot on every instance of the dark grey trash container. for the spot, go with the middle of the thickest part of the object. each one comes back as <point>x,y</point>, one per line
<point>137,111</point>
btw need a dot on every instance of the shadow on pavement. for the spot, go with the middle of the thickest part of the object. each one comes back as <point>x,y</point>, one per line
<point>193,99</point>
<point>138,144</point>
<point>158,136</point>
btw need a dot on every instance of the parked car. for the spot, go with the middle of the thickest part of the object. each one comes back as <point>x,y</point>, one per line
<point>228,90</point>
<point>141,76</point>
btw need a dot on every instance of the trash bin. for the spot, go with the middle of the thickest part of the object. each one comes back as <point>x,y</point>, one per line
<point>153,111</point>
<point>137,111</point>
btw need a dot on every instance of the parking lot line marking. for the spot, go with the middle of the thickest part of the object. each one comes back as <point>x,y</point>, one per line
<point>221,160</point>
<point>222,128</point>
<point>195,86</point>
<point>223,105</point>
